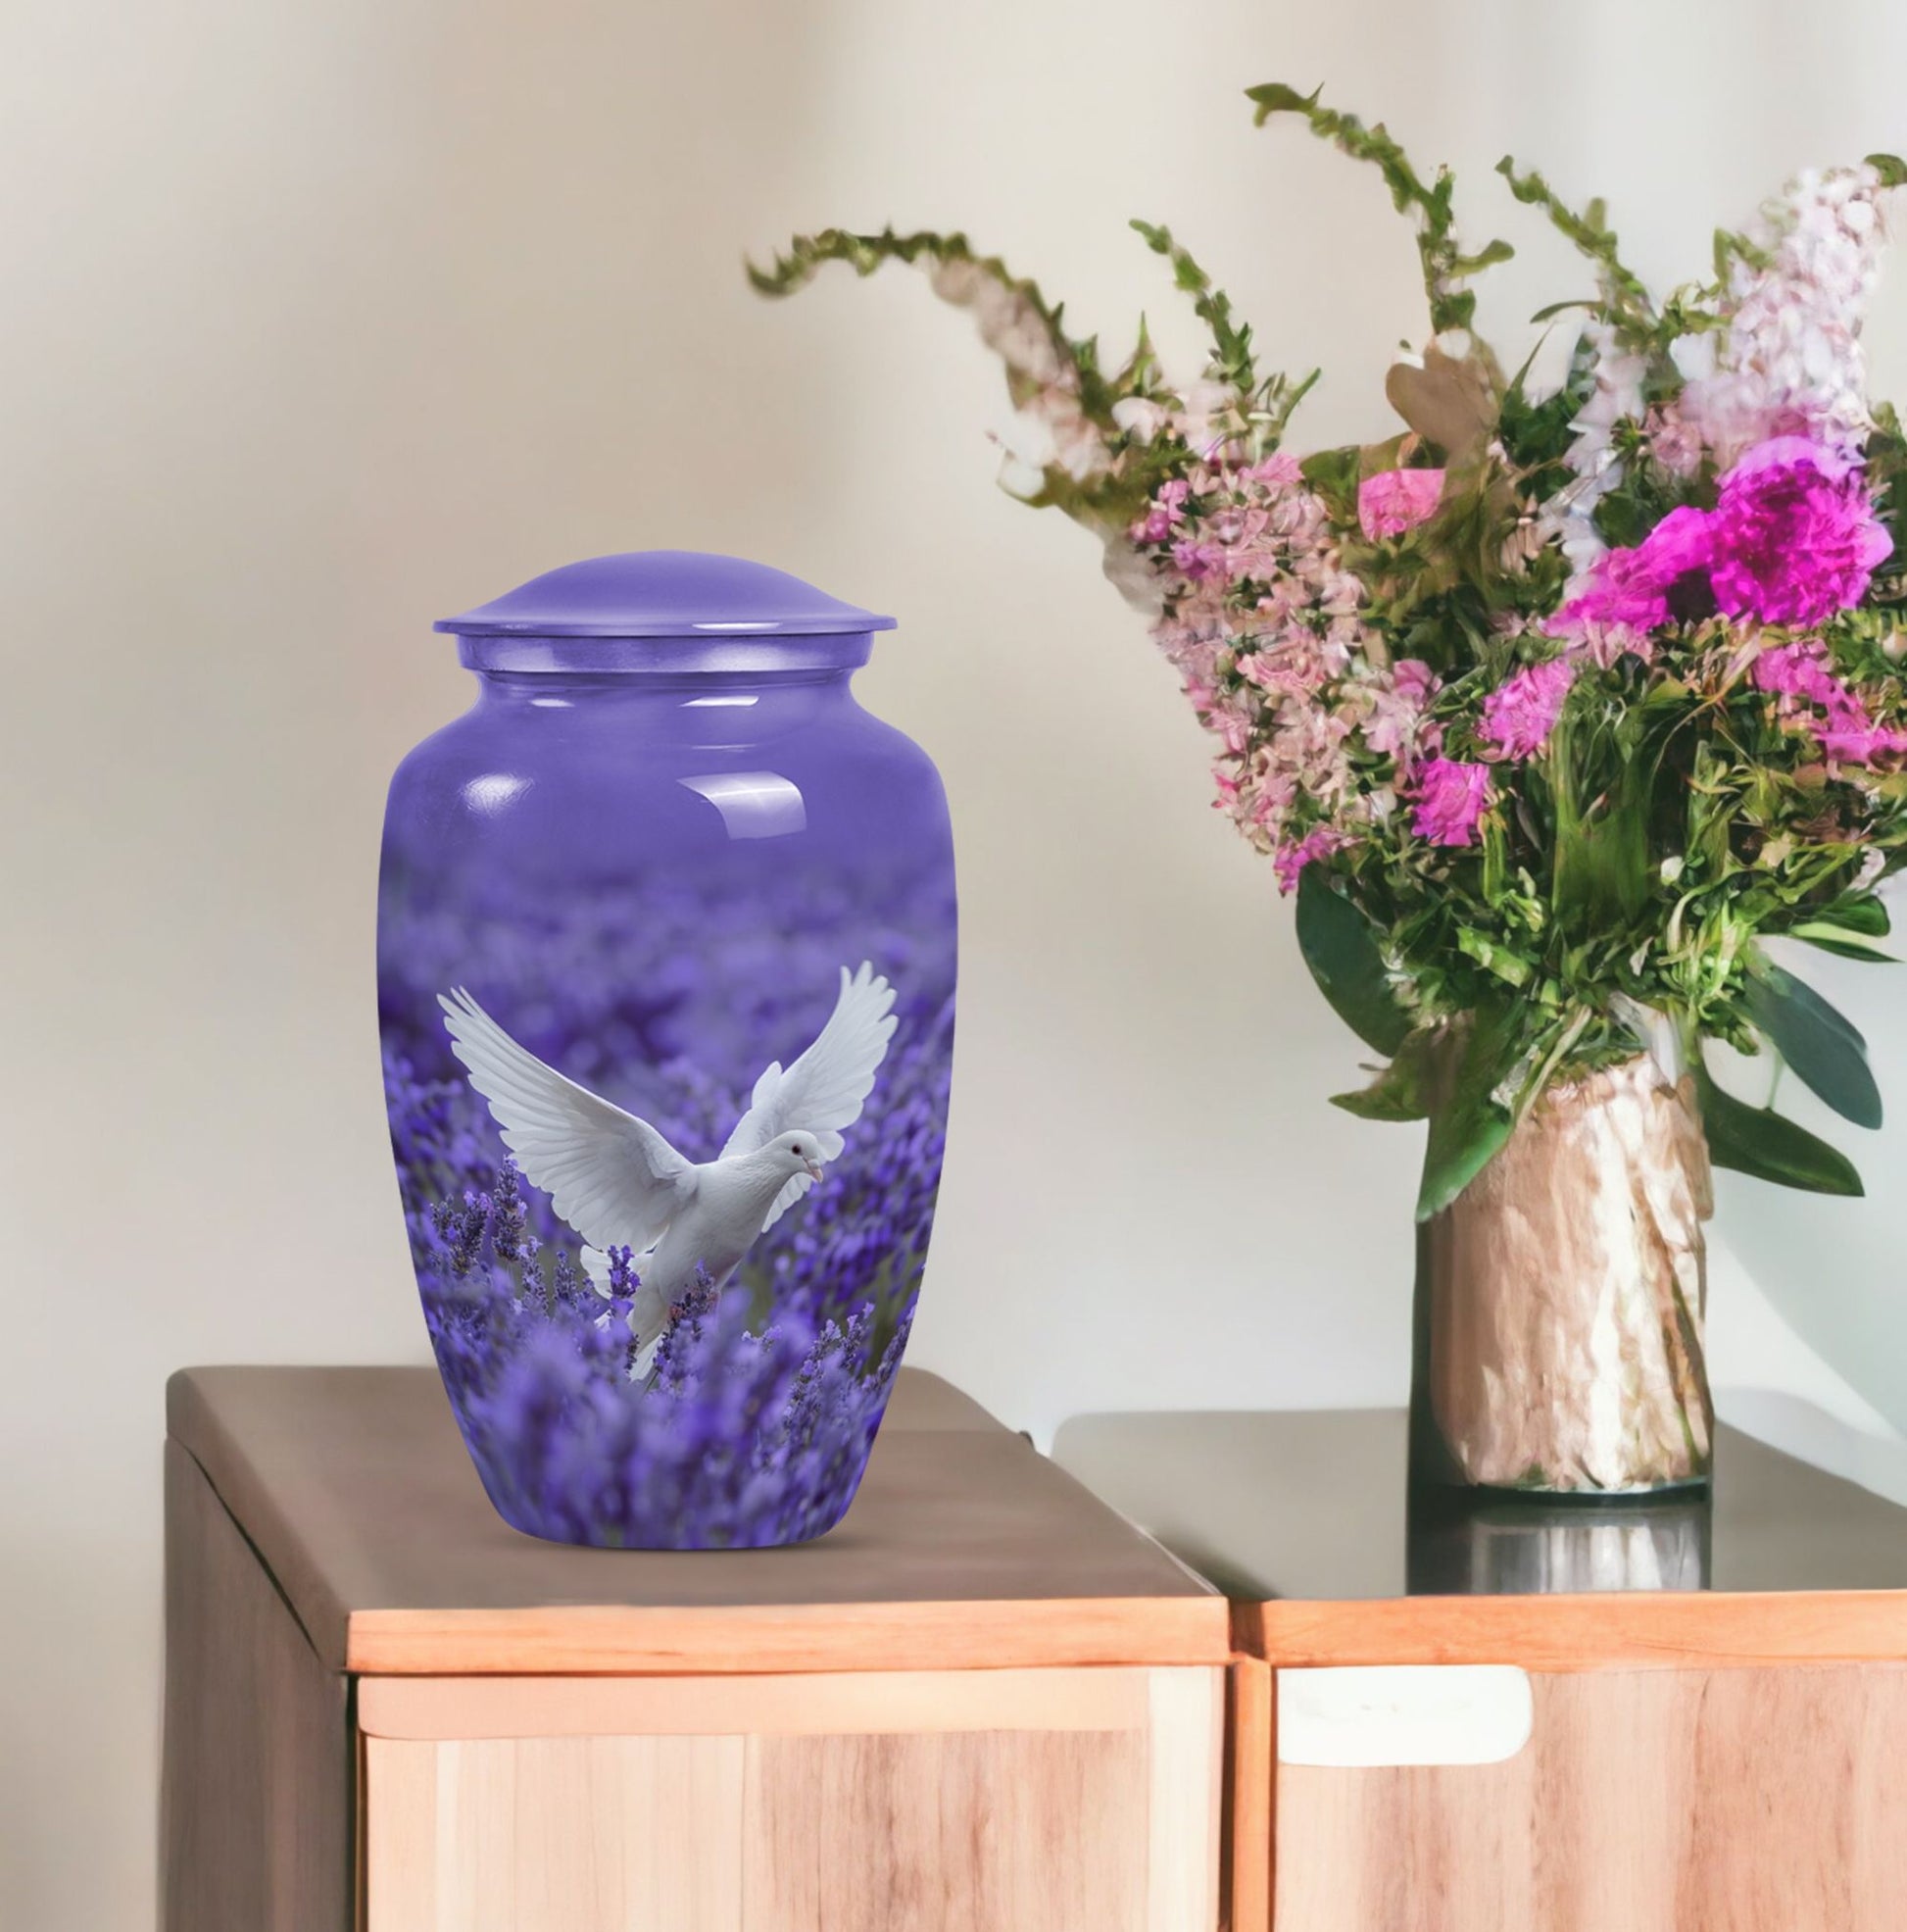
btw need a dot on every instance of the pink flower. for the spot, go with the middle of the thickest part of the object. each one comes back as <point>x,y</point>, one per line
<point>1813,697</point>
<point>1296,664</point>
<point>1394,501</point>
<point>1854,739</point>
<point>1799,671</point>
<point>1278,471</point>
<point>1397,708</point>
<point>1416,682</point>
<point>1291,859</point>
<point>1199,558</point>
<point>1796,537</point>
<point>1165,514</point>
<point>1674,442</point>
<point>1448,799</point>
<point>1630,588</point>
<point>1522,711</point>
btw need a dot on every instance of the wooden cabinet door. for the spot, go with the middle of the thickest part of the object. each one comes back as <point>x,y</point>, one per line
<point>985,1801</point>
<point>1764,1800</point>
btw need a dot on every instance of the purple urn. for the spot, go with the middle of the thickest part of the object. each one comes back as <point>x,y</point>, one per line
<point>665,954</point>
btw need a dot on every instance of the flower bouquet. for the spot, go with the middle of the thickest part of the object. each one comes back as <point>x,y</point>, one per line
<point>1548,709</point>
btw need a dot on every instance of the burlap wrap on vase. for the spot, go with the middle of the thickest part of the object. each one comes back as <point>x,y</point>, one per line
<point>1560,1298</point>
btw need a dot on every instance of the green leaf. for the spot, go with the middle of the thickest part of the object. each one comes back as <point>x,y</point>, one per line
<point>1334,475</point>
<point>1823,1046</point>
<point>1402,1091</point>
<point>1862,913</point>
<point>1339,946</point>
<point>1600,880</point>
<point>1509,967</point>
<point>1470,1124</point>
<point>1853,917</point>
<point>1555,309</point>
<point>1486,257</point>
<point>1891,170</point>
<point>1274,97</point>
<point>1832,938</point>
<point>1757,1141</point>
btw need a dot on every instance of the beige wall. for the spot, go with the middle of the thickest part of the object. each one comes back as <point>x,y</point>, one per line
<point>320,319</point>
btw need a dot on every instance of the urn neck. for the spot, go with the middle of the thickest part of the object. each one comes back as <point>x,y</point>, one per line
<point>714,653</point>
<point>708,707</point>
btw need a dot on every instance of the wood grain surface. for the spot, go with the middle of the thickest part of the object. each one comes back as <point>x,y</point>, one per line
<point>1689,1800</point>
<point>1250,1747</point>
<point>1629,1630</point>
<point>256,1807</point>
<point>1105,1820</point>
<point>964,1547</point>
<point>865,1702</point>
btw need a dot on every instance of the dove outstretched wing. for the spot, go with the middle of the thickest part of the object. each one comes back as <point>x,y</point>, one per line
<point>612,1177</point>
<point>825,1089</point>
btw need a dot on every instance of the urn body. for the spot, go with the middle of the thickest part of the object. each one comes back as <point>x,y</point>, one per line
<point>662,857</point>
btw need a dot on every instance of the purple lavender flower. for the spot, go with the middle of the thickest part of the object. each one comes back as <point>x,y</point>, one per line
<point>754,1425</point>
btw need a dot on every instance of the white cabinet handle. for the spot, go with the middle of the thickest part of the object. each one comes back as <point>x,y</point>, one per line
<point>1419,1713</point>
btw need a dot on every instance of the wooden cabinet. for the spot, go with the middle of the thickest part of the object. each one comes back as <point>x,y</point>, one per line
<point>1680,1716</point>
<point>1644,1801</point>
<point>1004,1798</point>
<point>988,1703</point>
<point>984,1703</point>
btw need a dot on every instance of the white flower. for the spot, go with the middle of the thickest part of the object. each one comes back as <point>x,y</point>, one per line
<point>1140,417</point>
<point>1789,361</point>
<point>1617,397</point>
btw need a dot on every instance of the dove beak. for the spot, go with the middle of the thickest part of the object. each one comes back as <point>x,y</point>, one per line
<point>815,1170</point>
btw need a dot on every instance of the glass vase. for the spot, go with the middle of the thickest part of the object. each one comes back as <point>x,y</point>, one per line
<point>1558,1323</point>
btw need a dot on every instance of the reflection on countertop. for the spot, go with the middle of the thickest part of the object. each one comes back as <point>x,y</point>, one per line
<point>1314,1505</point>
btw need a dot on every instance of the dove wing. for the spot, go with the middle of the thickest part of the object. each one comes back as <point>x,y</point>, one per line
<point>825,1089</point>
<point>612,1177</point>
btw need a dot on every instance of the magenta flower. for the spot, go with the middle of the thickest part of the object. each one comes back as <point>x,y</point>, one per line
<point>1164,514</point>
<point>1394,501</point>
<point>1853,738</point>
<point>1799,671</point>
<point>1631,589</point>
<point>1796,536</point>
<point>1522,711</point>
<point>1815,698</point>
<point>1291,858</point>
<point>1794,539</point>
<point>1448,799</point>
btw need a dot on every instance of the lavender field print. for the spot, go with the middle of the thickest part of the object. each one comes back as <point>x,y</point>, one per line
<point>666,963</point>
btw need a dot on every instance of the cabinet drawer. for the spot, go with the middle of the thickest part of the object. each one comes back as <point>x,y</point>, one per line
<point>1654,1800</point>
<point>993,1800</point>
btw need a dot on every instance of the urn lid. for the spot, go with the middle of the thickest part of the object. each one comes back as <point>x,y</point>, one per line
<point>666,593</point>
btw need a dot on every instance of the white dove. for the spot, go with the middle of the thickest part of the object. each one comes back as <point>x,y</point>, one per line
<point>617,1181</point>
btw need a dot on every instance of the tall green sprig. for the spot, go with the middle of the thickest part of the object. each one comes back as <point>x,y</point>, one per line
<point>1445,266</point>
<point>1626,303</point>
<point>805,255</point>
<point>1267,404</point>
